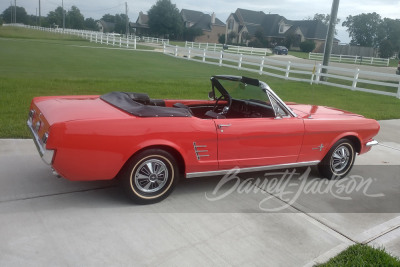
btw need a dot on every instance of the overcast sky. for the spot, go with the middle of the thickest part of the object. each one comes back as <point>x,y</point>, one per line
<point>290,9</point>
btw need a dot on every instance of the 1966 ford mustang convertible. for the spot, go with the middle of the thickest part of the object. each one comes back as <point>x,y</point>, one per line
<point>150,143</point>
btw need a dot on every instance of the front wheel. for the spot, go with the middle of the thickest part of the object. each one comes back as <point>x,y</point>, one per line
<point>150,176</point>
<point>339,160</point>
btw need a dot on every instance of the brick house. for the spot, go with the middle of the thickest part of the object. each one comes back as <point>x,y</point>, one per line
<point>243,25</point>
<point>211,26</point>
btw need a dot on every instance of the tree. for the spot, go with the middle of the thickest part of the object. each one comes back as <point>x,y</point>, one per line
<point>55,17</point>
<point>90,24</point>
<point>22,16</point>
<point>363,29</point>
<point>75,18</point>
<point>325,18</point>
<point>390,30</point>
<point>165,20</point>
<point>307,46</point>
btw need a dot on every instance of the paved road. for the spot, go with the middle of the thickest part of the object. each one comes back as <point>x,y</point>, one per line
<point>49,221</point>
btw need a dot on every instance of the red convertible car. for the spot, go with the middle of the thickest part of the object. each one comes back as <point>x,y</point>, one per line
<point>151,143</point>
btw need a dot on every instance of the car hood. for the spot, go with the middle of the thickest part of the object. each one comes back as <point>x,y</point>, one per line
<point>71,108</point>
<point>319,111</point>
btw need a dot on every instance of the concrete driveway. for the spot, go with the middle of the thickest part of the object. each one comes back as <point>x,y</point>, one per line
<point>50,221</point>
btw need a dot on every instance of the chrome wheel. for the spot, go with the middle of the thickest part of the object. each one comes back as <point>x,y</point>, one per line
<point>340,158</point>
<point>151,176</point>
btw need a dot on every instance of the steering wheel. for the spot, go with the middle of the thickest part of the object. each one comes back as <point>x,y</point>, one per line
<point>225,109</point>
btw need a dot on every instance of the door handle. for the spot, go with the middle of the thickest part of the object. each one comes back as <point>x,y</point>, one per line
<point>223,125</point>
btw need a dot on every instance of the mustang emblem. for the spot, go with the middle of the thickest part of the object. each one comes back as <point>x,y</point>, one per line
<point>319,147</point>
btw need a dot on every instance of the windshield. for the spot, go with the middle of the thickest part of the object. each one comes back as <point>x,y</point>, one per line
<point>240,90</point>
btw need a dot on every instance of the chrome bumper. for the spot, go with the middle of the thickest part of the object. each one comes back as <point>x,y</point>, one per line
<point>45,154</point>
<point>372,143</point>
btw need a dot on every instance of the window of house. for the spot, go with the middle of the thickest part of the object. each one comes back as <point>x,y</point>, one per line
<point>230,24</point>
<point>282,28</point>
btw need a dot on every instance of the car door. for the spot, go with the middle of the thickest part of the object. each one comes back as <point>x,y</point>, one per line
<point>254,142</point>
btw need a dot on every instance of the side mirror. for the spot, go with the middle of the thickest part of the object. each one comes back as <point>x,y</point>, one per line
<point>211,95</point>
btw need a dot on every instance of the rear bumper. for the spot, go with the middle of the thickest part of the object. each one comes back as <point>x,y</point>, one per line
<point>45,154</point>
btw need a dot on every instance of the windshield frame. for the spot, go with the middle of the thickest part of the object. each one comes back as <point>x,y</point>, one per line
<point>272,96</point>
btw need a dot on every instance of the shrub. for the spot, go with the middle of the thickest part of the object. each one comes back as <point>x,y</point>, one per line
<point>307,46</point>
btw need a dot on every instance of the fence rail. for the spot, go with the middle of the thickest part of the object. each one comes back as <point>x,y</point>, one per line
<point>352,59</point>
<point>355,78</point>
<point>230,48</point>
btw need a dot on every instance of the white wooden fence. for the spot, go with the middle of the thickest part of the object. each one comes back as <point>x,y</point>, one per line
<point>99,37</point>
<point>352,59</point>
<point>355,78</point>
<point>230,48</point>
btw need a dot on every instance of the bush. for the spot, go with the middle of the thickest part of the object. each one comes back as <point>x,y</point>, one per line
<point>386,49</point>
<point>307,46</point>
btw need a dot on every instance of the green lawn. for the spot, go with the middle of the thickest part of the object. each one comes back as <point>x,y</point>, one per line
<point>35,63</point>
<point>362,255</point>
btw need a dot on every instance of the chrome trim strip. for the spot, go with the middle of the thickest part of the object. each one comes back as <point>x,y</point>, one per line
<point>253,169</point>
<point>45,154</point>
<point>198,156</point>
<point>372,143</point>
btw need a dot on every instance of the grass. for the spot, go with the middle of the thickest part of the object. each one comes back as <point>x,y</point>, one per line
<point>362,255</point>
<point>45,65</point>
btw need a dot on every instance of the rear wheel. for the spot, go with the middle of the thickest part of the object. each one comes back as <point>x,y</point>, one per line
<point>339,160</point>
<point>150,176</point>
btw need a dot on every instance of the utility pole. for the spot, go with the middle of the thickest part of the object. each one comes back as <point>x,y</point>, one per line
<point>15,10</point>
<point>329,37</point>
<point>127,19</point>
<point>12,12</point>
<point>62,2</point>
<point>40,18</point>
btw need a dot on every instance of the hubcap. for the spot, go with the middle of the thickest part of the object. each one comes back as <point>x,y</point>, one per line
<point>151,175</point>
<point>340,159</point>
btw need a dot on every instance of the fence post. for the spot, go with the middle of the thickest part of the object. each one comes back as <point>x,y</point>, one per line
<point>127,42</point>
<point>96,38</point>
<point>398,91</point>
<point>176,51</point>
<point>107,39</point>
<point>251,53</point>
<point>189,51</point>
<point>354,86</point>
<point>134,43</point>
<point>221,56</point>
<point>240,61</point>
<point>340,58</point>
<point>91,38</point>
<point>204,55</point>
<point>318,75</point>
<point>207,46</point>
<point>262,65</point>
<point>120,41</point>
<point>355,61</point>
<point>287,70</point>
<point>164,47</point>
<point>215,47</point>
<point>185,43</point>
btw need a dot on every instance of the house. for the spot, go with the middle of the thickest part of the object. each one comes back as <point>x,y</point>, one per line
<point>243,25</point>
<point>105,26</point>
<point>141,26</point>
<point>211,26</point>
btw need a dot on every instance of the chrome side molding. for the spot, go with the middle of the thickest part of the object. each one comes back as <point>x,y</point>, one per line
<point>253,169</point>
